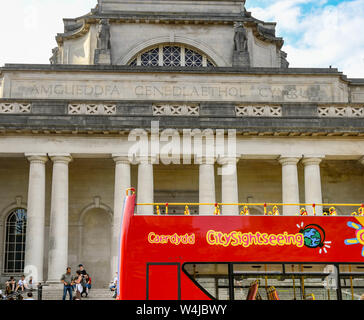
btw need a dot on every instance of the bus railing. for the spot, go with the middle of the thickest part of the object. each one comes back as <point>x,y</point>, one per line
<point>330,208</point>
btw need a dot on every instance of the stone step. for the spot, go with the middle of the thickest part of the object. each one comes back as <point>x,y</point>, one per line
<point>94,294</point>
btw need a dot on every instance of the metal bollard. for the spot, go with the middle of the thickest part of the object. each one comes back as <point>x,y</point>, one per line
<point>40,291</point>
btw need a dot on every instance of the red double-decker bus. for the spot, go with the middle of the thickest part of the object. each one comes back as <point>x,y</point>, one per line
<point>166,257</point>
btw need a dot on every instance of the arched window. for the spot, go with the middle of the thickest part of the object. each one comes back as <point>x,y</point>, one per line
<point>171,55</point>
<point>16,224</point>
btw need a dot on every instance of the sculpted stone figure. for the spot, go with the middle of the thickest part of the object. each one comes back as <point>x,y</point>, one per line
<point>103,50</point>
<point>240,39</point>
<point>241,57</point>
<point>54,58</point>
<point>284,62</point>
<point>103,35</point>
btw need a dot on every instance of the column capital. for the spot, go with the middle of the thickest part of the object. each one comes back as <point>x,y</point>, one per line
<point>37,157</point>
<point>289,160</point>
<point>224,160</point>
<point>121,158</point>
<point>312,160</point>
<point>60,157</point>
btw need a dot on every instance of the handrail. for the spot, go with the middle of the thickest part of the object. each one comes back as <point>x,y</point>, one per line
<point>274,212</point>
<point>250,204</point>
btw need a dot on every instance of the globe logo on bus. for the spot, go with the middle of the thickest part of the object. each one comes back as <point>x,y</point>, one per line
<point>314,237</point>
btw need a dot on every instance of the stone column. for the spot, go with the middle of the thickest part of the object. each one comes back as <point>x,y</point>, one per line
<point>313,193</point>
<point>122,182</point>
<point>34,246</point>
<point>229,185</point>
<point>206,185</point>
<point>58,232</point>
<point>290,191</point>
<point>145,192</point>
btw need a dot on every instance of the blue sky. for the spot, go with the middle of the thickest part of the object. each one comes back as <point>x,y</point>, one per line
<point>305,8</point>
<point>317,33</point>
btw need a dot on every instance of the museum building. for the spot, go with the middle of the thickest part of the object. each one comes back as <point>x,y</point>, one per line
<point>205,65</point>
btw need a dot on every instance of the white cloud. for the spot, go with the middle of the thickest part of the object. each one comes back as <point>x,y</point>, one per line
<point>28,27</point>
<point>285,12</point>
<point>323,36</point>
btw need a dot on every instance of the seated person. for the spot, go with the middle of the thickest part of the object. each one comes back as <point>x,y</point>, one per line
<point>21,284</point>
<point>10,286</point>
<point>78,280</point>
<point>30,285</point>
<point>115,290</point>
<point>87,285</point>
<point>113,283</point>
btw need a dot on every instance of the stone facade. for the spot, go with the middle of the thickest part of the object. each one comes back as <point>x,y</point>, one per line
<point>131,27</point>
<point>64,127</point>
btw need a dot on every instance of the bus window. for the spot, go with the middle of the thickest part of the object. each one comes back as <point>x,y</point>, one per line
<point>288,282</point>
<point>210,277</point>
<point>271,281</point>
<point>283,286</point>
<point>270,278</point>
<point>351,281</point>
<point>316,281</point>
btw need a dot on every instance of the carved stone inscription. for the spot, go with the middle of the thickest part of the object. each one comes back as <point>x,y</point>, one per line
<point>138,90</point>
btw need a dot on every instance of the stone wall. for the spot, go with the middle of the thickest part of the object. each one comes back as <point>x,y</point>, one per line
<point>128,39</point>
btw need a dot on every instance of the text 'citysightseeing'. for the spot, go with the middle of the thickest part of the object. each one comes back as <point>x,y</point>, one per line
<point>237,238</point>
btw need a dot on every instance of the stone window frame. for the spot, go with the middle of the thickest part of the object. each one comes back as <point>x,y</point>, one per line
<point>14,271</point>
<point>138,59</point>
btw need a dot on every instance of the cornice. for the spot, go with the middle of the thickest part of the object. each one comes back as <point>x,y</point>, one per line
<point>164,69</point>
<point>165,18</point>
<point>356,81</point>
<point>74,34</point>
<point>123,131</point>
<point>259,33</point>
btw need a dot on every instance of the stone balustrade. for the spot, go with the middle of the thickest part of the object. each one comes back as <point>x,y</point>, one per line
<point>15,107</point>
<point>176,110</point>
<point>258,111</point>
<point>341,111</point>
<point>92,109</point>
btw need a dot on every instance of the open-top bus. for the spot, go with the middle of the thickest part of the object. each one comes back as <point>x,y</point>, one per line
<point>191,257</point>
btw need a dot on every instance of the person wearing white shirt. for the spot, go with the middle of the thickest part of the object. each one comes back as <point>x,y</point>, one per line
<point>22,284</point>
<point>114,282</point>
